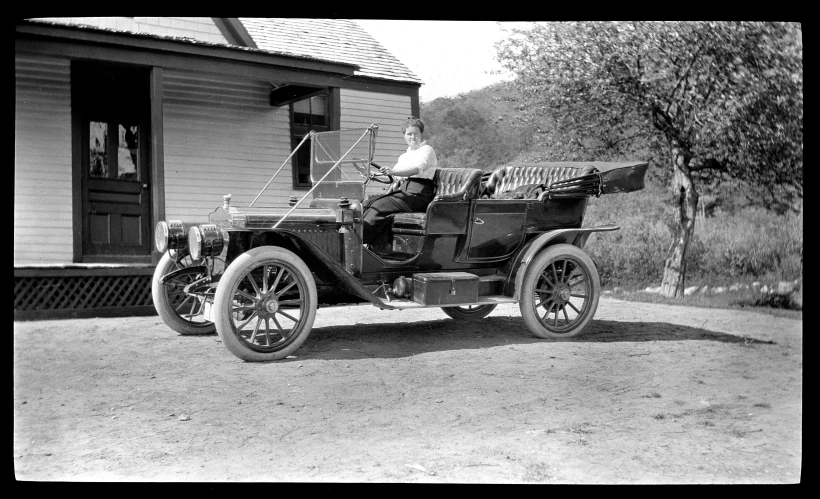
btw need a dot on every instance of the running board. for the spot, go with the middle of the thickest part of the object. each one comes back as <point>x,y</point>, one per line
<point>402,303</point>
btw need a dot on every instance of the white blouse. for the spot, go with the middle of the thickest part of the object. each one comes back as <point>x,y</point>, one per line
<point>422,157</point>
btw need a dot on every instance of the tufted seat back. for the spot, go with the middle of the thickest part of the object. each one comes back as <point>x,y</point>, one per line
<point>455,184</point>
<point>510,177</point>
<point>452,184</point>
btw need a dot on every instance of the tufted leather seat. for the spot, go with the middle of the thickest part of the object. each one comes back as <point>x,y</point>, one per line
<point>410,223</point>
<point>456,184</point>
<point>506,179</point>
<point>452,184</point>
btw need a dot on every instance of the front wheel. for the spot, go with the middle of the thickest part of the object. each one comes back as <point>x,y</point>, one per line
<point>469,312</point>
<point>180,311</point>
<point>560,292</point>
<point>265,304</point>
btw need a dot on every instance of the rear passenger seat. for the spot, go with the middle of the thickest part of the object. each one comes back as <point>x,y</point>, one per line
<point>528,180</point>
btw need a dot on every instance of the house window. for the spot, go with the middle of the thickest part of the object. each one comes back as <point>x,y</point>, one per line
<point>306,115</point>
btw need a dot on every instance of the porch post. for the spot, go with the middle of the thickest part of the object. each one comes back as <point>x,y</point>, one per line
<point>157,166</point>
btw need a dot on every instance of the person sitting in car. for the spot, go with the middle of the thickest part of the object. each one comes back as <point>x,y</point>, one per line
<point>417,167</point>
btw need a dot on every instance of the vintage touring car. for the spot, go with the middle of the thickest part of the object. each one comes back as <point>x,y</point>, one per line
<point>256,275</point>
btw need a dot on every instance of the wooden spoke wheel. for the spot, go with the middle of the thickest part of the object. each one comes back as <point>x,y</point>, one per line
<point>560,292</point>
<point>182,312</point>
<point>469,312</point>
<point>265,304</point>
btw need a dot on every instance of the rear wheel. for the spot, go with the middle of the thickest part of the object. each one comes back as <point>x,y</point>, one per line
<point>560,292</point>
<point>180,311</point>
<point>265,304</point>
<point>469,312</point>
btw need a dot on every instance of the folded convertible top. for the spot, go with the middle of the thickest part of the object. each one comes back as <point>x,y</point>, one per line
<point>610,177</point>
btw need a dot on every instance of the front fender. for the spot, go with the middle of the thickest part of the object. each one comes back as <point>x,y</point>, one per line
<point>517,266</point>
<point>194,270</point>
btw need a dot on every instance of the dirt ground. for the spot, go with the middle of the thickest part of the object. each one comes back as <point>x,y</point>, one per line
<point>648,394</point>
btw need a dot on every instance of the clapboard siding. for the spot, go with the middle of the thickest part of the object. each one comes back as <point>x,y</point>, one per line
<point>359,109</point>
<point>40,209</point>
<point>42,165</point>
<point>221,137</point>
<point>363,97</point>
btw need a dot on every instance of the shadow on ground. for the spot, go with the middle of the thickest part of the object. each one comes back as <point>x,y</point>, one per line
<point>407,339</point>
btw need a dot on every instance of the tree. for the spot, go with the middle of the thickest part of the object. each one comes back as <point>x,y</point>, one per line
<point>710,100</point>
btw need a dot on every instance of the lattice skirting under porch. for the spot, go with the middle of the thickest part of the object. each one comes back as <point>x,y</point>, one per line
<point>82,292</point>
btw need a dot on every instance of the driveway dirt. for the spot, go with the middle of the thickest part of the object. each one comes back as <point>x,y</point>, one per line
<point>648,394</point>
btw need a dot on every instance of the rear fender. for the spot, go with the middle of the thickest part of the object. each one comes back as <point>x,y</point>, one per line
<point>327,269</point>
<point>517,266</point>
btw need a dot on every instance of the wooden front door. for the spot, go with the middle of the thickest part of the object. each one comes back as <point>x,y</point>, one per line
<point>114,121</point>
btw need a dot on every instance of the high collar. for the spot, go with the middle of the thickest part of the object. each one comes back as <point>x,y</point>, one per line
<point>411,148</point>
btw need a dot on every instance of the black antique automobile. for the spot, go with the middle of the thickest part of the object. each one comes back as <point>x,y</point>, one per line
<point>256,275</point>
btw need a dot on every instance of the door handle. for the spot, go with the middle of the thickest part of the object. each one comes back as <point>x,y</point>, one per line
<point>478,221</point>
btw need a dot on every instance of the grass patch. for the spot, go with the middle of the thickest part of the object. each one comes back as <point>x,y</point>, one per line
<point>773,301</point>
<point>736,244</point>
<point>743,300</point>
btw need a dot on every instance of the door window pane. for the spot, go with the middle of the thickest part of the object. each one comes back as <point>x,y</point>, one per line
<point>128,152</point>
<point>98,149</point>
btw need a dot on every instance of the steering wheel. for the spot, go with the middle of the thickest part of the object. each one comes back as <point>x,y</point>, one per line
<point>361,167</point>
<point>380,177</point>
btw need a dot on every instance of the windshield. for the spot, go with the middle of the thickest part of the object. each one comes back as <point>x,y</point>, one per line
<point>327,148</point>
<point>347,179</point>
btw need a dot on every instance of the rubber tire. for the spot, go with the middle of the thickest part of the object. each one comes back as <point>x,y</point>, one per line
<point>536,266</point>
<point>223,301</point>
<point>460,314</point>
<point>162,303</point>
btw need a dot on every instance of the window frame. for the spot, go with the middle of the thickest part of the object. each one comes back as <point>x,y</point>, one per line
<point>299,130</point>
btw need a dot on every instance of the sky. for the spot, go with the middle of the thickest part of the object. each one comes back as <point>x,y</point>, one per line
<point>450,57</point>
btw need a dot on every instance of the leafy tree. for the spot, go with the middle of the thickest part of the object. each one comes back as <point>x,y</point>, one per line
<point>711,101</point>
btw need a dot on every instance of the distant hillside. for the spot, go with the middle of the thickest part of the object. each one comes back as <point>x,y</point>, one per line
<point>475,129</point>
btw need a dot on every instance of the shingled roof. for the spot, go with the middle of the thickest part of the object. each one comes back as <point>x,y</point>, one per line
<point>332,40</point>
<point>338,40</point>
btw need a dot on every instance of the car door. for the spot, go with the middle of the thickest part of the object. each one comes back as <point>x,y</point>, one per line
<point>495,230</point>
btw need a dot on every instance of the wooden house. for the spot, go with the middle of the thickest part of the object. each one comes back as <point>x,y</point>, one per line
<point>122,122</point>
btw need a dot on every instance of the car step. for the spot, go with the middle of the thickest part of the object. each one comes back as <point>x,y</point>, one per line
<point>482,300</point>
